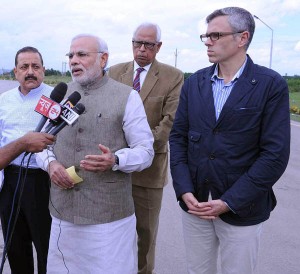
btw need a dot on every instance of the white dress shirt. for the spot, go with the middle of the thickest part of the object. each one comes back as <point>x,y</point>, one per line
<point>17,116</point>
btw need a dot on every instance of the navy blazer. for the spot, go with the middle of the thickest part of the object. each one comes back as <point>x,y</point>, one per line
<point>239,157</point>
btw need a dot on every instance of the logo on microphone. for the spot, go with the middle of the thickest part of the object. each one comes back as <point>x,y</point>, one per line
<point>43,105</point>
<point>54,111</point>
<point>69,115</point>
<point>48,108</point>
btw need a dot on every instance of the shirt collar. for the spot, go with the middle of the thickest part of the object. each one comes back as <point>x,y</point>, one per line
<point>32,91</point>
<point>136,66</point>
<point>236,76</point>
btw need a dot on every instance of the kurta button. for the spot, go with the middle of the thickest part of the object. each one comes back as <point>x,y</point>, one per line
<point>212,156</point>
<point>78,149</point>
<point>76,188</point>
<point>86,93</point>
<point>80,130</point>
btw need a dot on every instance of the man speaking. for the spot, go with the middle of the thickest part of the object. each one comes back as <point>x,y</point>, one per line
<point>93,221</point>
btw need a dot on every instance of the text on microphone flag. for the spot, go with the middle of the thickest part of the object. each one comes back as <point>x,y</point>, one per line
<point>69,115</point>
<point>48,108</point>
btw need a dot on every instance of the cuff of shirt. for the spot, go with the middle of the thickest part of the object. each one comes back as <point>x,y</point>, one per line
<point>229,207</point>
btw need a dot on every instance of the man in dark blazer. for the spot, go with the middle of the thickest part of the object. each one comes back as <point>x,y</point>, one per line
<point>229,145</point>
<point>160,86</point>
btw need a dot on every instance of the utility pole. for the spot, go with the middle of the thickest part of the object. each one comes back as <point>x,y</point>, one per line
<point>176,54</point>
<point>63,68</point>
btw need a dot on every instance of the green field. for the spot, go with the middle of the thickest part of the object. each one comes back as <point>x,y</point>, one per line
<point>53,80</point>
<point>295,104</point>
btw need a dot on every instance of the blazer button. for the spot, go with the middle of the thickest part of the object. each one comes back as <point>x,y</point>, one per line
<point>215,131</point>
<point>80,130</point>
<point>212,156</point>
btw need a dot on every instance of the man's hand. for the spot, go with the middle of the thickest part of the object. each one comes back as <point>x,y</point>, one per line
<point>36,141</point>
<point>59,175</point>
<point>205,210</point>
<point>100,162</point>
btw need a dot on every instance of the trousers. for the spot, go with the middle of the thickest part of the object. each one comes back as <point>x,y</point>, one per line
<point>205,239</point>
<point>33,222</point>
<point>147,203</point>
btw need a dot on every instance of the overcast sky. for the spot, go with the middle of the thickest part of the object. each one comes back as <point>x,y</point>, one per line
<point>50,25</point>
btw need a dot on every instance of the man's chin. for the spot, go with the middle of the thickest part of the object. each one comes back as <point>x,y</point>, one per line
<point>31,84</point>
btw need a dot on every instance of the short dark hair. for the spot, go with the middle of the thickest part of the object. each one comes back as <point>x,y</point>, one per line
<point>28,49</point>
<point>239,19</point>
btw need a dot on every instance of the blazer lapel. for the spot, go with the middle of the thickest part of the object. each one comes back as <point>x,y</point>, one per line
<point>127,77</point>
<point>150,80</point>
<point>241,88</point>
<point>205,89</point>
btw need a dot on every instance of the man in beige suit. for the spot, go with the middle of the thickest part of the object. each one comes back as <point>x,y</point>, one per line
<point>159,86</point>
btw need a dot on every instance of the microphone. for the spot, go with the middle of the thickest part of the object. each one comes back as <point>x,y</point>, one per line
<point>70,102</point>
<point>45,104</point>
<point>69,116</point>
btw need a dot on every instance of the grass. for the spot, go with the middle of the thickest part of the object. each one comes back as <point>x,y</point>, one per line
<point>295,104</point>
<point>53,80</point>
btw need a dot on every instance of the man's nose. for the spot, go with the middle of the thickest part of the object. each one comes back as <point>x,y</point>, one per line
<point>30,70</point>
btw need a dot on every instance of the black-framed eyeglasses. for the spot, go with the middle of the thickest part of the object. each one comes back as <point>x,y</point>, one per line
<point>147,45</point>
<point>81,54</point>
<point>214,36</point>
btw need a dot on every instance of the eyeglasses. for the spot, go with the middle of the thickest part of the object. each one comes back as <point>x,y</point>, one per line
<point>214,36</point>
<point>81,54</point>
<point>147,45</point>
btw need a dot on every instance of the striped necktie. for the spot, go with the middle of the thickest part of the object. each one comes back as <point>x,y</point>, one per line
<point>136,81</point>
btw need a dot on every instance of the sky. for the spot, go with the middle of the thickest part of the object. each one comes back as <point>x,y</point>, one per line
<point>50,26</point>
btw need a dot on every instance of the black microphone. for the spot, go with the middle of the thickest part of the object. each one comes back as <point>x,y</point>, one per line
<point>68,114</point>
<point>70,102</point>
<point>57,94</point>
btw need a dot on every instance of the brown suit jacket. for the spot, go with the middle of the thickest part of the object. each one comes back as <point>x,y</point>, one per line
<point>160,95</point>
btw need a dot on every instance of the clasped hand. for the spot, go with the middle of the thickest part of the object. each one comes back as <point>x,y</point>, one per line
<point>204,210</point>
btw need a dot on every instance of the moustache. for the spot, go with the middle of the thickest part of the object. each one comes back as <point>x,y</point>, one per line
<point>30,78</point>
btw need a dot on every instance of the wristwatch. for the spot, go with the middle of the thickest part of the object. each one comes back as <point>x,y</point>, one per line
<point>116,165</point>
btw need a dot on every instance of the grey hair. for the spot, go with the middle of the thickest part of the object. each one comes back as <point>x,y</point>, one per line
<point>102,45</point>
<point>149,25</point>
<point>238,18</point>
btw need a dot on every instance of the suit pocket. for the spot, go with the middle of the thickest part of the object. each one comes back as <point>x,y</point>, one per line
<point>194,144</point>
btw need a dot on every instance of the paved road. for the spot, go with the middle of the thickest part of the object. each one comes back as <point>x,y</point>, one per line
<point>280,247</point>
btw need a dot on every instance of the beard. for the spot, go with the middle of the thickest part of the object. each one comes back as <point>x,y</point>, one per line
<point>89,75</point>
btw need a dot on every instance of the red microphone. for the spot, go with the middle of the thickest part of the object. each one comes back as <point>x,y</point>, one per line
<point>48,108</point>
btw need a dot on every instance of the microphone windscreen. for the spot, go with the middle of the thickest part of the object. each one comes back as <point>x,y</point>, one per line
<point>79,108</point>
<point>73,99</point>
<point>59,92</point>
